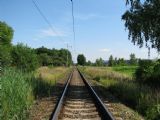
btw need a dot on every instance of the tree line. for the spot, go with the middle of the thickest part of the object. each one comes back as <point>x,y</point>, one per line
<point>81,60</point>
<point>26,58</point>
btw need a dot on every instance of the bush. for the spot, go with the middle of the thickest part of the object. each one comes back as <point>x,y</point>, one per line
<point>144,71</point>
<point>155,77</point>
<point>24,58</point>
<point>148,72</point>
<point>5,57</point>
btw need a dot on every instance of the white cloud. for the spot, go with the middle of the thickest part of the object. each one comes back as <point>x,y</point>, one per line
<point>104,50</point>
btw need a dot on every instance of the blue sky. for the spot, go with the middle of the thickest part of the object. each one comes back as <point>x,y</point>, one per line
<point>99,29</point>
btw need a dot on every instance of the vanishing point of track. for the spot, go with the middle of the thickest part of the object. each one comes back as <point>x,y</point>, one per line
<point>79,101</point>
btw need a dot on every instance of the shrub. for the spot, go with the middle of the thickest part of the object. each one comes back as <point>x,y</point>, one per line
<point>5,57</point>
<point>24,58</point>
<point>148,72</point>
<point>155,77</point>
<point>144,71</point>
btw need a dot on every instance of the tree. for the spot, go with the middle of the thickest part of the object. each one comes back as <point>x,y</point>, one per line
<point>6,35</point>
<point>81,59</point>
<point>133,60</point>
<point>24,58</point>
<point>142,21</point>
<point>89,63</point>
<point>121,61</point>
<point>44,59</point>
<point>99,62</point>
<point>115,61</point>
<point>66,56</point>
<point>111,61</point>
<point>55,57</point>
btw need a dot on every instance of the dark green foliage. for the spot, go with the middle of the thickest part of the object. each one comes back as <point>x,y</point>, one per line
<point>142,21</point>
<point>54,57</point>
<point>89,63</point>
<point>148,72</point>
<point>81,59</point>
<point>99,62</point>
<point>5,57</point>
<point>155,77</point>
<point>44,59</point>
<point>6,35</point>
<point>24,58</point>
<point>145,70</point>
<point>111,61</point>
<point>133,60</point>
<point>121,62</point>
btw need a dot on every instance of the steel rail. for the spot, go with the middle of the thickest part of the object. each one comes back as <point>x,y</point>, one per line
<point>56,112</point>
<point>105,114</point>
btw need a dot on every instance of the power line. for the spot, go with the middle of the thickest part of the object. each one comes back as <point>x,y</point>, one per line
<point>74,38</point>
<point>45,19</point>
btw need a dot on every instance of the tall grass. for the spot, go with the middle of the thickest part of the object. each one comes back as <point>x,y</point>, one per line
<point>142,98</point>
<point>19,90</point>
<point>16,96</point>
<point>104,73</point>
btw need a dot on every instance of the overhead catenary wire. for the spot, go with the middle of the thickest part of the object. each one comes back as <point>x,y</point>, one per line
<point>46,20</point>
<point>73,26</point>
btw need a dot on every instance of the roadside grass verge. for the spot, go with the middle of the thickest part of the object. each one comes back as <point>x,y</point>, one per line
<point>19,90</point>
<point>142,98</point>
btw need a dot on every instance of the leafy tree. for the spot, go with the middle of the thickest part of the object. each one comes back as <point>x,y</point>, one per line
<point>111,61</point>
<point>89,63</point>
<point>5,57</point>
<point>55,57</point>
<point>121,62</point>
<point>66,57</point>
<point>115,61</point>
<point>133,60</point>
<point>142,21</point>
<point>99,62</point>
<point>81,59</point>
<point>44,59</point>
<point>6,35</point>
<point>24,58</point>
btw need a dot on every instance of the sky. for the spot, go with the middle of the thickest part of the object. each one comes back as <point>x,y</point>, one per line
<point>99,30</point>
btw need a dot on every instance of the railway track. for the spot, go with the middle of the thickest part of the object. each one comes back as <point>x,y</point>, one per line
<point>79,101</point>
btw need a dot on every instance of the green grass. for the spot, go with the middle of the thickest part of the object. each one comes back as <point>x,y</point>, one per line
<point>128,70</point>
<point>19,90</point>
<point>16,96</point>
<point>142,98</point>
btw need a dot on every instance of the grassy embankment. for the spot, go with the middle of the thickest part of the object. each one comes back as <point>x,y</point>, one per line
<point>120,82</point>
<point>19,90</point>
